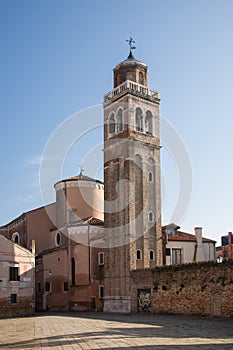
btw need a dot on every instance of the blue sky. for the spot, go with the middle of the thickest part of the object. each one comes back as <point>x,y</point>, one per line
<point>57,58</point>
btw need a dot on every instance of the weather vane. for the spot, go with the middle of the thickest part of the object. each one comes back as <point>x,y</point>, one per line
<point>131,42</point>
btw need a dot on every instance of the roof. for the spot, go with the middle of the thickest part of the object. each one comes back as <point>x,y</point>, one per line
<point>187,237</point>
<point>131,60</point>
<point>90,220</point>
<point>80,177</point>
<point>19,246</point>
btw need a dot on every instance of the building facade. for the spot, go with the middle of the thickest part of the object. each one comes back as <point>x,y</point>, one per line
<point>183,248</point>
<point>69,246</point>
<point>225,251</point>
<point>17,279</point>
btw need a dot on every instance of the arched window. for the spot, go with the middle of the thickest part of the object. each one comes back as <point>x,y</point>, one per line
<point>73,271</point>
<point>47,286</point>
<point>139,254</point>
<point>58,239</point>
<point>138,119</point>
<point>150,176</point>
<point>15,237</point>
<point>112,124</point>
<point>151,254</point>
<point>141,78</point>
<point>119,121</point>
<point>148,123</point>
<point>151,216</point>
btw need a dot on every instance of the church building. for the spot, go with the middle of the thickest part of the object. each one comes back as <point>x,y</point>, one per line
<point>98,234</point>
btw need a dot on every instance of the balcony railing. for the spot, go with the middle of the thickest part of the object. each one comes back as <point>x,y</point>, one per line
<point>129,85</point>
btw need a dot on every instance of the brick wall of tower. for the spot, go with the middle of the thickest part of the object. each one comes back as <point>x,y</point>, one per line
<point>128,156</point>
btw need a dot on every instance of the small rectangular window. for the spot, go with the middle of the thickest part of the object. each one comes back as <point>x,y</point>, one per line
<point>101,258</point>
<point>168,251</point>
<point>14,273</point>
<point>65,287</point>
<point>13,299</point>
<point>72,217</point>
<point>47,287</point>
<point>101,292</point>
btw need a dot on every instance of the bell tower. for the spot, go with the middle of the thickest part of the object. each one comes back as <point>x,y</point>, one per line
<point>132,181</point>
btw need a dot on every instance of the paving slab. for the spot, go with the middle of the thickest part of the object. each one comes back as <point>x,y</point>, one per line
<point>79,331</point>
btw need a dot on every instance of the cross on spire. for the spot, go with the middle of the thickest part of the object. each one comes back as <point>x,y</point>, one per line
<point>132,47</point>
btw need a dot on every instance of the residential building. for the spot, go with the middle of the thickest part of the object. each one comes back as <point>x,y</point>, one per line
<point>17,279</point>
<point>182,247</point>
<point>225,251</point>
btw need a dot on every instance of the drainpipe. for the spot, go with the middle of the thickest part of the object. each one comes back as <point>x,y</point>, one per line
<point>89,252</point>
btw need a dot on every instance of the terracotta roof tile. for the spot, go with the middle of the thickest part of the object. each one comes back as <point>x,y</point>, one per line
<point>184,236</point>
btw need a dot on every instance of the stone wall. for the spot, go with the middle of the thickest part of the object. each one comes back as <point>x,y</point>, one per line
<point>192,289</point>
<point>23,308</point>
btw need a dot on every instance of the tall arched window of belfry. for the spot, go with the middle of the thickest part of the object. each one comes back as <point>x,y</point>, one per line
<point>141,78</point>
<point>149,123</point>
<point>138,119</point>
<point>119,120</point>
<point>112,124</point>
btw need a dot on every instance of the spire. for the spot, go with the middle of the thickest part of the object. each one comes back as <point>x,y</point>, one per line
<point>132,47</point>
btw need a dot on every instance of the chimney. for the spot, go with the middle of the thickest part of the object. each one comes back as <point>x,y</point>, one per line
<point>199,247</point>
<point>229,238</point>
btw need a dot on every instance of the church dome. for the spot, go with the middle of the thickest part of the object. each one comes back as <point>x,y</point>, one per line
<point>131,69</point>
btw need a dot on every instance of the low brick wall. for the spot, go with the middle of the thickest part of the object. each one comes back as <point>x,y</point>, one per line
<point>23,308</point>
<point>191,289</point>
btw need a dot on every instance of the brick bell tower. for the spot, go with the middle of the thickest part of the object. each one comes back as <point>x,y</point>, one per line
<point>132,181</point>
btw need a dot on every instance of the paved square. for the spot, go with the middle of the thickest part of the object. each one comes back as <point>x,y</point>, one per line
<point>102,331</point>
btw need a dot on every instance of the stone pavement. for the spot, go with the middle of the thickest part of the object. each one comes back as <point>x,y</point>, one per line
<point>105,331</point>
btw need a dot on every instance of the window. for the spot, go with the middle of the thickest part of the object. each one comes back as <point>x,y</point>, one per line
<point>47,286</point>
<point>73,271</point>
<point>138,119</point>
<point>119,121</point>
<point>14,273</point>
<point>176,256</point>
<point>168,251</point>
<point>151,216</point>
<point>139,254</point>
<point>101,292</point>
<point>13,299</point>
<point>72,217</point>
<point>15,237</point>
<point>148,123</point>
<point>141,78</point>
<point>65,287</point>
<point>150,176</point>
<point>58,239</point>
<point>151,253</point>
<point>101,258</point>
<point>112,124</point>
